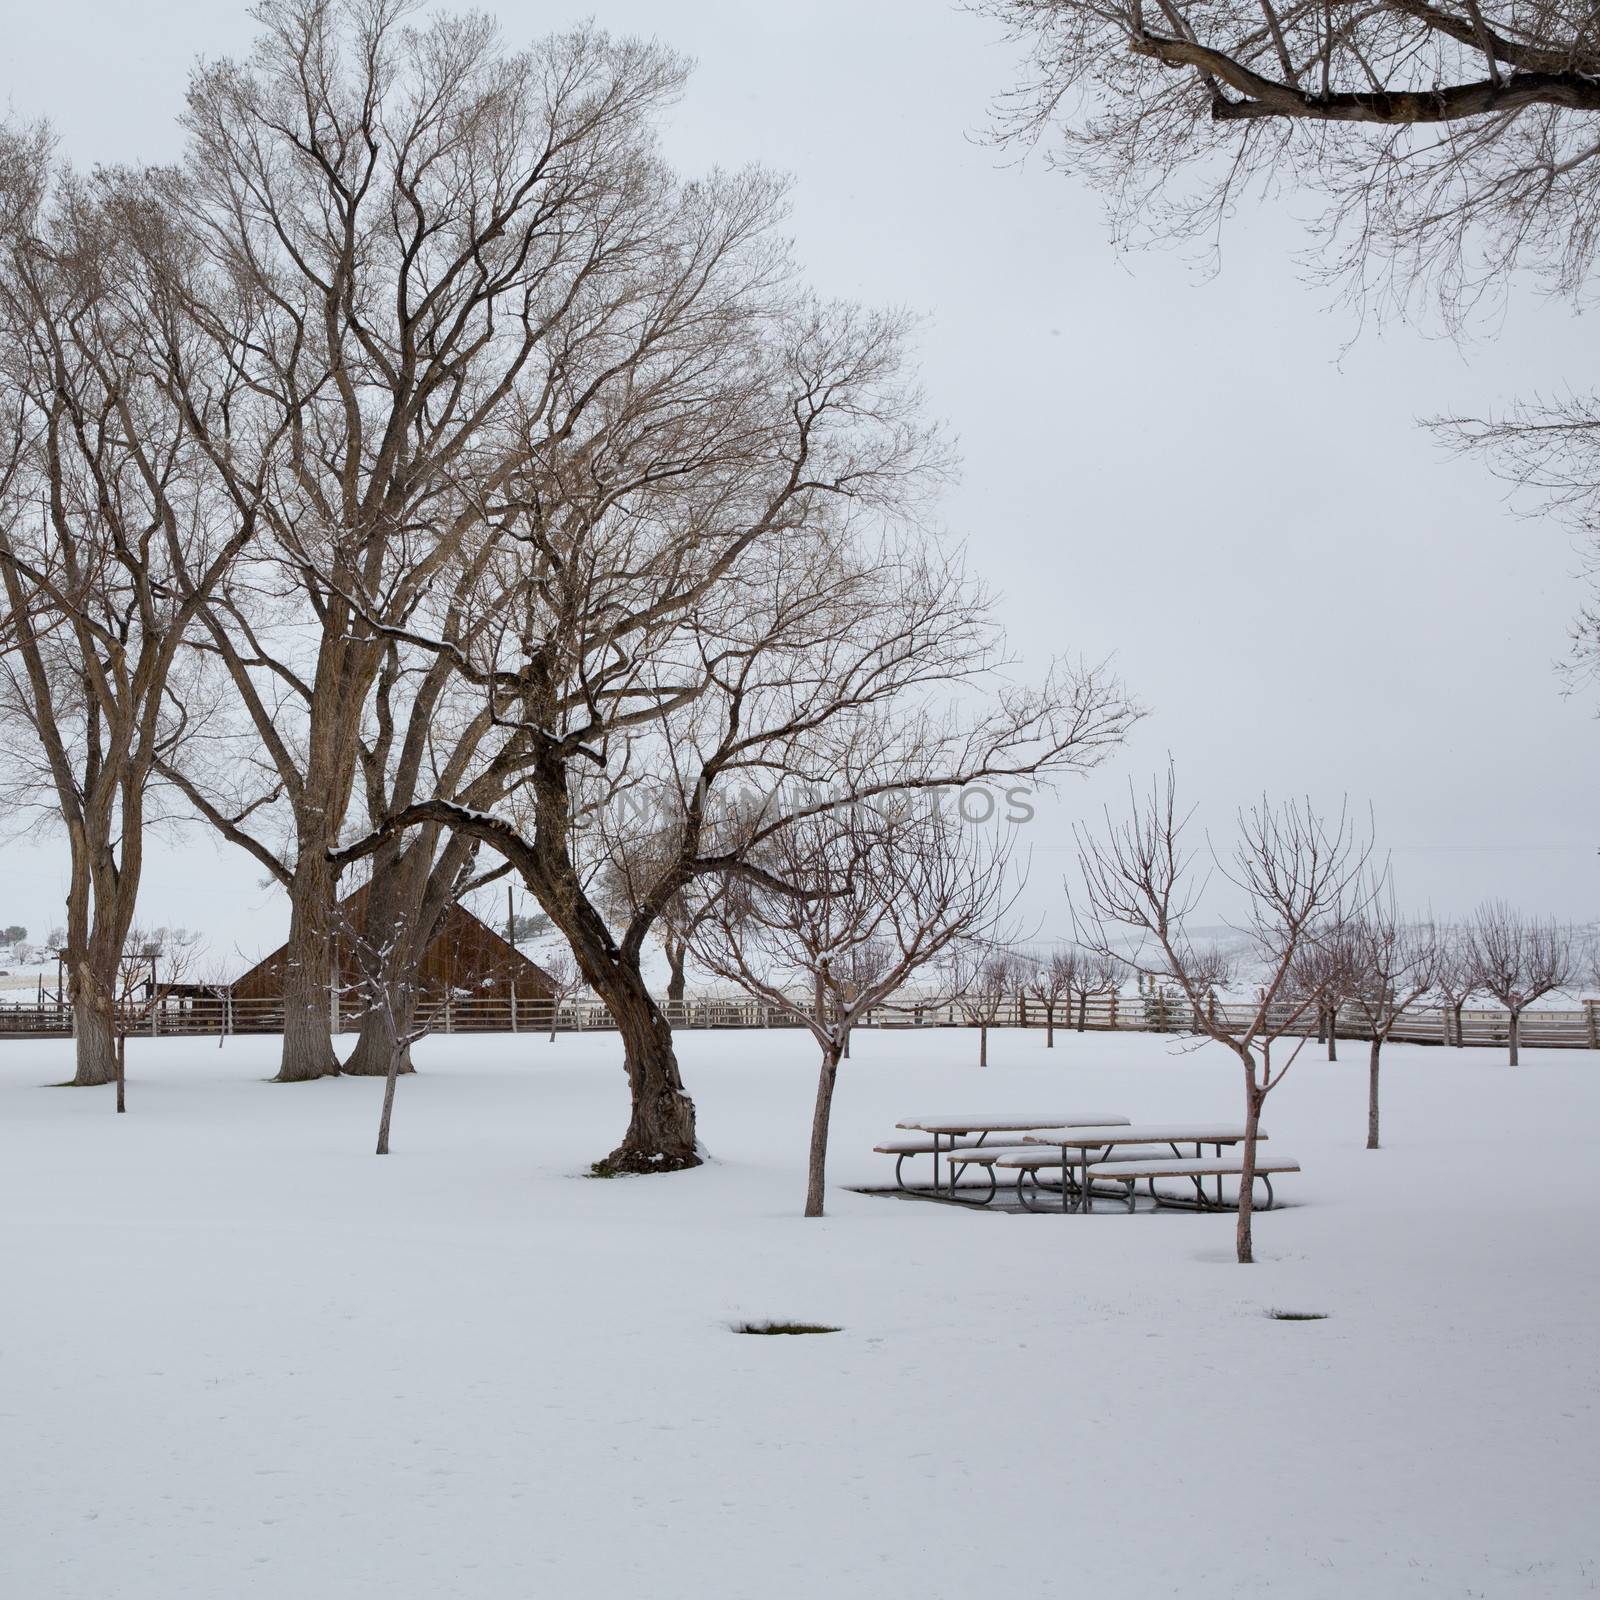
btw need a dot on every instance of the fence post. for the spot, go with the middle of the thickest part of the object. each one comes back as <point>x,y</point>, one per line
<point>1591,1016</point>
<point>513,1008</point>
<point>1113,1008</point>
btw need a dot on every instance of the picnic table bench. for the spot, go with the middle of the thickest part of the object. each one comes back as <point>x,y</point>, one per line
<point>1131,1171</point>
<point>945,1130</point>
<point>989,1156</point>
<point>1104,1141</point>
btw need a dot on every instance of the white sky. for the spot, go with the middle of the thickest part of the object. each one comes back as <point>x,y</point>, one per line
<point>1174,469</point>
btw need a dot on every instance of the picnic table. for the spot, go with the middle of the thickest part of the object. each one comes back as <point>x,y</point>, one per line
<point>1104,1138</point>
<point>983,1123</point>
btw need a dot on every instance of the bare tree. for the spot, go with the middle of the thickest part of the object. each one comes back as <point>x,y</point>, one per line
<point>1450,143</point>
<point>766,679</point>
<point>883,892</point>
<point>1450,140</point>
<point>1293,869</point>
<point>1095,972</point>
<point>1518,960</point>
<point>1395,963</point>
<point>1049,981</point>
<point>110,545</point>
<point>1457,980</point>
<point>149,963</point>
<point>981,979</point>
<point>426,255</point>
<point>384,990</point>
<point>1329,965</point>
<point>566,983</point>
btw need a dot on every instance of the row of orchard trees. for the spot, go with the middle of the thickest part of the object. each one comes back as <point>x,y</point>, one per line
<point>421,479</point>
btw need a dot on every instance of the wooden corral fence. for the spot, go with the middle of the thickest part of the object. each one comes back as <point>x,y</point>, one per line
<point>172,1017</point>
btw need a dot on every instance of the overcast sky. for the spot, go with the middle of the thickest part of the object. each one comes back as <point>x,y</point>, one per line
<point>1187,472</point>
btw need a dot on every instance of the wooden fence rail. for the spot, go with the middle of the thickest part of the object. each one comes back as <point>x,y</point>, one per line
<point>1541,1028</point>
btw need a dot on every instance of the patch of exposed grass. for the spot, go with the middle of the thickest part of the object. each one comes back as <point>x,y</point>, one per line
<point>1298,1316</point>
<point>784,1327</point>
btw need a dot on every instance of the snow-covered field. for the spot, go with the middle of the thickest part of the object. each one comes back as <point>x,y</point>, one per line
<point>240,1356</point>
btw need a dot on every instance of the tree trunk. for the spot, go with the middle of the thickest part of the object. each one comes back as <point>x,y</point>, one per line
<point>122,1072</point>
<point>307,972</point>
<point>371,1056</point>
<point>392,907</point>
<point>396,1052</point>
<point>1050,1028</point>
<point>817,1165</point>
<point>94,1028</point>
<point>1372,1090</point>
<point>1458,1008</point>
<point>661,1128</point>
<point>1083,1011</point>
<point>1333,1033</point>
<point>1512,1034</point>
<point>1244,1245</point>
<point>983,1044</point>
<point>677,955</point>
<point>661,1133</point>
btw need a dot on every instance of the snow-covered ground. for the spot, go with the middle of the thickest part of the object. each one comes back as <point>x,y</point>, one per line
<point>240,1356</point>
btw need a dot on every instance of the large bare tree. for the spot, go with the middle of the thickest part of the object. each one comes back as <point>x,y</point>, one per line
<point>111,543</point>
<point>424,251</point>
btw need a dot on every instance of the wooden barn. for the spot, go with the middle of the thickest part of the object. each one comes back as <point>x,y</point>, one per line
<point>467,961</point>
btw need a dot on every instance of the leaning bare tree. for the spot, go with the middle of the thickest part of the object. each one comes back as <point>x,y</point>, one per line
<point>1518,960</point>
<point>1293,869</point>
<point>1394,964</point>
<point>839,910</point>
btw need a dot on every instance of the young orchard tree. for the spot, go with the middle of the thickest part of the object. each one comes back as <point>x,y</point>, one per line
<point>981,979</point>
<point>839,911</point>
<point>1396,963</point>
<point>1294,870</point>
<point>566,984</point>
<point>1094,973</point>
<point>1049,981</point>
<point>1518,960</point>
<point>382,991</point>
<point>149,960</point>
<point>1329,966</point>
<point>1457,980</point>
<point>111,543</point>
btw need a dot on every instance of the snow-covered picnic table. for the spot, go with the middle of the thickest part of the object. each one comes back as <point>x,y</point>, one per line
<point>983,1123</point>
<point>1103,1139</point>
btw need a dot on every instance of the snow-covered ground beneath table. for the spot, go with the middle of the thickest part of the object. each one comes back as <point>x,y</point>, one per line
<point>242,1357</point>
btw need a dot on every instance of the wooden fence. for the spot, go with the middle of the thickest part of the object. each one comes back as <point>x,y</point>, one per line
<point>1542,1028</point>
